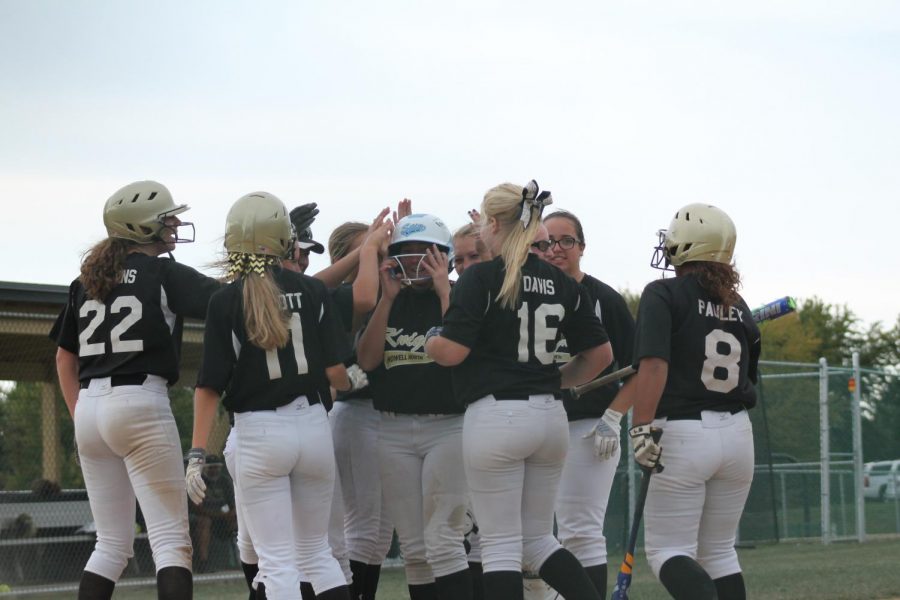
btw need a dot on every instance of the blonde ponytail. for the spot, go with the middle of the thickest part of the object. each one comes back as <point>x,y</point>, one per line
<point>265,319</point>
<point>517,211</point>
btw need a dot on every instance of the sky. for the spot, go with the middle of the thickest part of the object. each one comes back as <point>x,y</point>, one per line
<point>783,114</point>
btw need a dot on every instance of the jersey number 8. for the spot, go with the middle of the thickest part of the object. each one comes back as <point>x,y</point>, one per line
<point>720,362</point>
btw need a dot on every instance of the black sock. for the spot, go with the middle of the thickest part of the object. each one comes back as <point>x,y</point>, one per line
<point>341,592</point>
<point>731,587</point>
<point>426,591</point>
<point>370,582</point>
<point>359,578</point>
<point>260,591</point>
<point>507,585</point>
<point>597,576</point>
<point>685,579</point>
<point>306,591</point>
<point>250,571</point>
<point>455,586</point>
<point>95,587</point>
<point>477,580</point>
<point>566,575</point>
<point>175,583</point>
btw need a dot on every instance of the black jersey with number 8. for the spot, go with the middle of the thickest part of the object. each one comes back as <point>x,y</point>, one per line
<point>712,350</point>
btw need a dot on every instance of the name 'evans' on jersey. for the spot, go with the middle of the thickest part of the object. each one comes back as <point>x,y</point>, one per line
<point>538,286</point>
<point>709,309</point>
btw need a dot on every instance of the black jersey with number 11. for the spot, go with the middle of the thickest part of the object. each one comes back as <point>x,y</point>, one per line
<point>255,379</point>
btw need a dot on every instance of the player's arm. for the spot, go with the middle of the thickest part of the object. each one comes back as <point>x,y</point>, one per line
<point>370,349</point>
<point>67,370</point>
<point>649,383</point>
<point>444,352</point>
<point>206,403</point>
<point>365,286</point>
<point>337,377</point>
<point>586,365</point>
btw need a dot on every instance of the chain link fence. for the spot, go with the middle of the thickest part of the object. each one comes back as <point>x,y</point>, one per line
<point>810,481</point>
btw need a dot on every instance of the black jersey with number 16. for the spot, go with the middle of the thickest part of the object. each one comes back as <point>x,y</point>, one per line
<point>513,350</point>
<point>712,350</point>
<point>256,379</point>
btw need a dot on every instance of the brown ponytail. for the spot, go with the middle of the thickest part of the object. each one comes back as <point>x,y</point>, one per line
<point>102,267</point>
<point>721,281</point>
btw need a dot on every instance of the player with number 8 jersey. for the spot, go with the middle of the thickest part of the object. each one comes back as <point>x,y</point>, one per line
<point>272,341</point>
<point>119,340</point>
<point>696,349</point>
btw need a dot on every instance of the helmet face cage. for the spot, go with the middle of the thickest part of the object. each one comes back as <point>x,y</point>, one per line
<point>182,235</point>
<point>418,228</point>
<point>660,258</point>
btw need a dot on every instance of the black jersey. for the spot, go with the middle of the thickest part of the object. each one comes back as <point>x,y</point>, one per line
<point>513,351</point>
<point>137,329</point>
<point>712,351</point>
<point>407,380</point>
<point>255,379</point>
<point>611,309</point>
<point>343,301</point>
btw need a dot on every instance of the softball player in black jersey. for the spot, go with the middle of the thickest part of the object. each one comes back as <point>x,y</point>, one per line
<point>272,342</point>
<point>697,349</point>
<point>420,436</point>
<point>119,340</point>
<point>500,333</point>
<point>594,418</point>
<point>364,523</point>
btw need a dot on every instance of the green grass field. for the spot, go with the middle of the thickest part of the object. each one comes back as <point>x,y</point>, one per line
<point>774,572</point>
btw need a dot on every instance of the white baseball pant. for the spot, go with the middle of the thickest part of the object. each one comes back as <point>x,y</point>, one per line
<point>129,447</point>
<point>694,506</point>
<point>514,452</point>
<point>245,545</point>
<point>367,528</point>
<point>424,485</point>
<point>583,496</point>
<point>284,461</point>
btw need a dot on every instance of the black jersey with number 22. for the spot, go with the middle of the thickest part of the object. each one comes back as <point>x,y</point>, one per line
<point>137,329</point>
<point>712,350</point>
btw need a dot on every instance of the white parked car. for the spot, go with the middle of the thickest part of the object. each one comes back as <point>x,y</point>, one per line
<point>881,480</point>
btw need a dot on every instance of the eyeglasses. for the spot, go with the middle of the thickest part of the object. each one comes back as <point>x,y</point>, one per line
<point>566,243</point>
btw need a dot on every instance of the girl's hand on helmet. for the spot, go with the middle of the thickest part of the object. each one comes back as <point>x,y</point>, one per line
<point>437,265</point>
<point>390,279</point>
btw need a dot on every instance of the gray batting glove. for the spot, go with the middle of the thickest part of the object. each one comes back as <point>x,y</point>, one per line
<point>358,378</point>
<point>606,434</point>
<point>193,476</point>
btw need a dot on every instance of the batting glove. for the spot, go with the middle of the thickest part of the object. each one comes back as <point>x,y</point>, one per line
<point>303,216</point>
<point>647,450</point>
<point>358,378</point>
<point>606,434</point>
<point>193,477</point>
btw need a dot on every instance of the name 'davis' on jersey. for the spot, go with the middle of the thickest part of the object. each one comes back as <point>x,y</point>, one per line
<point>709,309</point>
<point>538,286</point>
<point>290,300</point>
<point>410,341</point>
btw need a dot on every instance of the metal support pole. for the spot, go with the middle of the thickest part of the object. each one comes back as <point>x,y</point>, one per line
<point>858,453</point>
<point>824,452</point>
